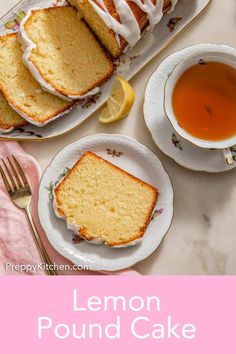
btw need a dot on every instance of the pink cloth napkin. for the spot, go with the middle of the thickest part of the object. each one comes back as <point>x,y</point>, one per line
<point>16,241</point>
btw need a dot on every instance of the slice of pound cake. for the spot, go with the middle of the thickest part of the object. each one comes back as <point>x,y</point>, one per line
<point>104,204</point>
<point>9,119</point>
<point>63,54</point>
<point>22,91</point>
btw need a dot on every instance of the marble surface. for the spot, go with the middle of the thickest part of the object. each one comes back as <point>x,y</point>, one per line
<point>202,239</point>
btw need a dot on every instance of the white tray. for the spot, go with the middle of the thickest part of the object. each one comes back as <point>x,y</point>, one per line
<point>128,65</point>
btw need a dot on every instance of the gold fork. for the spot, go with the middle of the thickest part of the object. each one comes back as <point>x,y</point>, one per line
<point>20,193</point>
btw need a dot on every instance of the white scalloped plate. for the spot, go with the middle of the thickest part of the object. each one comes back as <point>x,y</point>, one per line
<point>128,65</point>
<point>180,150</point>
<point>136,159</point>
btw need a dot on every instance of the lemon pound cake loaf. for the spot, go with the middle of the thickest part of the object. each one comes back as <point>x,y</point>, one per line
<point>63,54</point>
<point>9,119</point>
<point>21,90</point>
<point>104,204</point>
<point>119,23</point>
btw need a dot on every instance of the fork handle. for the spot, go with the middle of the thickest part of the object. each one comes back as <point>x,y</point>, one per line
<point>39,244</point>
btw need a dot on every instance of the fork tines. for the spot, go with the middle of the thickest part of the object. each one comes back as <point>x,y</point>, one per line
<point>12,174</point>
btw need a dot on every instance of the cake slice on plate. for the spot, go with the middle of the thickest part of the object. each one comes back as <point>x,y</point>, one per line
<point>22,91</point>
<point>9,119</point>
<point>63,54</point>
<point>104,204</point>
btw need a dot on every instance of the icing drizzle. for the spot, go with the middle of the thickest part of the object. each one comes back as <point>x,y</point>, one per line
<point>173,4</point>
<point>154,12</point>
<point>128,27</point>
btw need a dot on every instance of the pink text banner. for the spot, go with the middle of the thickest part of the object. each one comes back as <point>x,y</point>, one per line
<point>114,314</point>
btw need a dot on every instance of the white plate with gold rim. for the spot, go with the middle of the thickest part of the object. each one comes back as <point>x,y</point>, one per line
<point>134,158</point>
<point>180,150</point>
<point>128,65</point>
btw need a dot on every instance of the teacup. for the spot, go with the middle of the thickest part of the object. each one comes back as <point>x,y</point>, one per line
<point>200,58</point>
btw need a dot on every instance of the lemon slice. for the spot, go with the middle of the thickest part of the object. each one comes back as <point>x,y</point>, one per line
<point>119,103</point>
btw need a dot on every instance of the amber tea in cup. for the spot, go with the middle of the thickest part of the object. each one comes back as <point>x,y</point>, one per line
<point>204,101</point>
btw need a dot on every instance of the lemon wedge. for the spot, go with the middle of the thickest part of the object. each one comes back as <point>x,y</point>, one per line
<point>119,103</point>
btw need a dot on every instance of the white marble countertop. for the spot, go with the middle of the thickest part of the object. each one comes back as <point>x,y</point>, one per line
<point>202,239</point>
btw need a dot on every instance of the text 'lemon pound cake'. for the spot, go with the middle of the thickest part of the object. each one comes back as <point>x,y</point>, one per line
<point>9,119</point>
<point>22,91</point>
<point>104,204</point>
<point>63,54</point>
<point>119,23</point>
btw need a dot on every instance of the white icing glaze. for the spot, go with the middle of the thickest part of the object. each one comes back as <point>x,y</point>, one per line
<point>6,131</point>
<point>154,12</point>
<point>27,47</point>
<point>173,4</point>
<point>135,242</point>
<point>128,27</point>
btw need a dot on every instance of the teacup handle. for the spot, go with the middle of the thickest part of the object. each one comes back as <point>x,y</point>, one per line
<point>228,157</point>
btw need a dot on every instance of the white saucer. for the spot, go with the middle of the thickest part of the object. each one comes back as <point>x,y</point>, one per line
<point>129,155</point>
<point>181,151</point>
